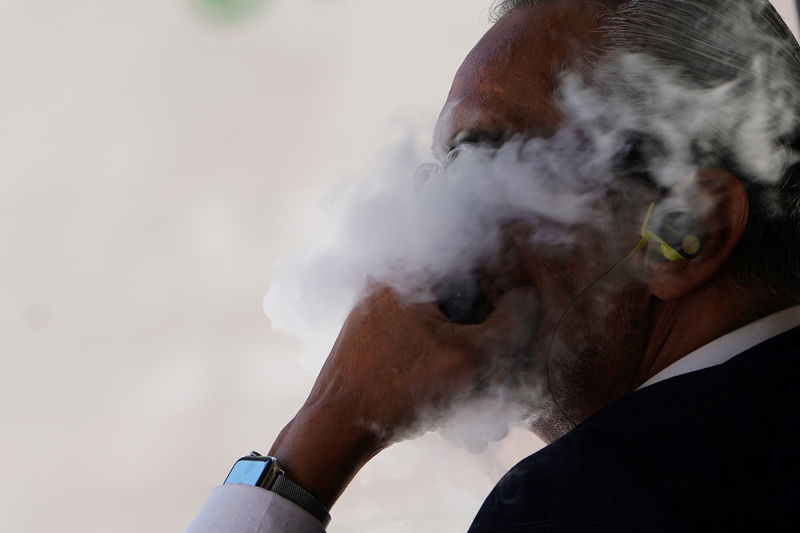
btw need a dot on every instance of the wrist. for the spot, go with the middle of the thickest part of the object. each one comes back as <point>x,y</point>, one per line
<point>266,472</point>
<point>322,452</point>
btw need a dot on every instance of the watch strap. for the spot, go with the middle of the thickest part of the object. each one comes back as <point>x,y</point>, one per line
<point>290,490</point>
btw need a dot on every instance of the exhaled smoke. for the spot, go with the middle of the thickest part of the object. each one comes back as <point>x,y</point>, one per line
<point>414,232</point>
<point>417,234</point>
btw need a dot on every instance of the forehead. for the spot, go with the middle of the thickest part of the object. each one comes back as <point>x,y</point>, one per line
<point>507,83</point>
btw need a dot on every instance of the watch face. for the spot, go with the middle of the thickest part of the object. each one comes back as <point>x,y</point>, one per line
<point>247,471</point>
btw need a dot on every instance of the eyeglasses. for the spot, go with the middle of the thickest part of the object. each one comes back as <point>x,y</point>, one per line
<point>426,170</point>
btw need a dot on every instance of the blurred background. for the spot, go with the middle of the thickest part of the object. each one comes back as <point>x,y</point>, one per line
<point>157,160</point>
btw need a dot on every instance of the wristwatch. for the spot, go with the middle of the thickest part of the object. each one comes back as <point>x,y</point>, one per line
<point>265,472</point>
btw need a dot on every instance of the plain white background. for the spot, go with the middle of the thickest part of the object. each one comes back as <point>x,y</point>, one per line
<point>157,160</point>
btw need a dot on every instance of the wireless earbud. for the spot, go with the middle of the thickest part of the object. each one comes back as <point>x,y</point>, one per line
<point>676,233</point>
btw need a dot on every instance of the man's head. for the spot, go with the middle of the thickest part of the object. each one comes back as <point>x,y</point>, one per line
<point>724,55</point>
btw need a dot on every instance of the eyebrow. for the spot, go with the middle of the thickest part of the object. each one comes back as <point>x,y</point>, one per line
<point>478,136</point>
<point>491,138</point>
<point>484,137</point>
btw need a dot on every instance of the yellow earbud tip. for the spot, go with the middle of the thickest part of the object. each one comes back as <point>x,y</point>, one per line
<point>691,244</point>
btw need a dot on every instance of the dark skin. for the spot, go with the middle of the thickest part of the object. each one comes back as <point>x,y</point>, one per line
<point>395,364</point>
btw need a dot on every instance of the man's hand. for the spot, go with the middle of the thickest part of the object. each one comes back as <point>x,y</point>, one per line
<point>393,367</point>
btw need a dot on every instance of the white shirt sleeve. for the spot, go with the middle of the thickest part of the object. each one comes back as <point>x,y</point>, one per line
<point>238,508</point>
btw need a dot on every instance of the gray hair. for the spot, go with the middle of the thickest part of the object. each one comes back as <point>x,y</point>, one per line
<point>500,8</point>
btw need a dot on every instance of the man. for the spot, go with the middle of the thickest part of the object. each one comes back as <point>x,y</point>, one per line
<point>670,391</point>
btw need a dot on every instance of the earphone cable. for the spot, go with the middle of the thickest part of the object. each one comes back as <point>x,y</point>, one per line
<point>642,242</point>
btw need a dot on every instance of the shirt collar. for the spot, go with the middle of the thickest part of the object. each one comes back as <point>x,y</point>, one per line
<point>726,347</point>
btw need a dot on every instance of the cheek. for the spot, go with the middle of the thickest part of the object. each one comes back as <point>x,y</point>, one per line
<point>560,261</point>
<point>552,254</point>
<point>576,265</point>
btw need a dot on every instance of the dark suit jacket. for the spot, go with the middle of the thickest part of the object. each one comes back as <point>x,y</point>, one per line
<point>713,450</point>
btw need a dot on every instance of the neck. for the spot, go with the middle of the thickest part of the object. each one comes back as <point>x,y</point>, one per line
<point>674,329</point>
<point>682,326</point>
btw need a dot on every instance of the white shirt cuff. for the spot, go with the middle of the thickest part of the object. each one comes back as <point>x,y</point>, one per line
<point>246,509</point>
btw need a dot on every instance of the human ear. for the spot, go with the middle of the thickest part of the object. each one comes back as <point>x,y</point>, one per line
<point>722,205</point>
